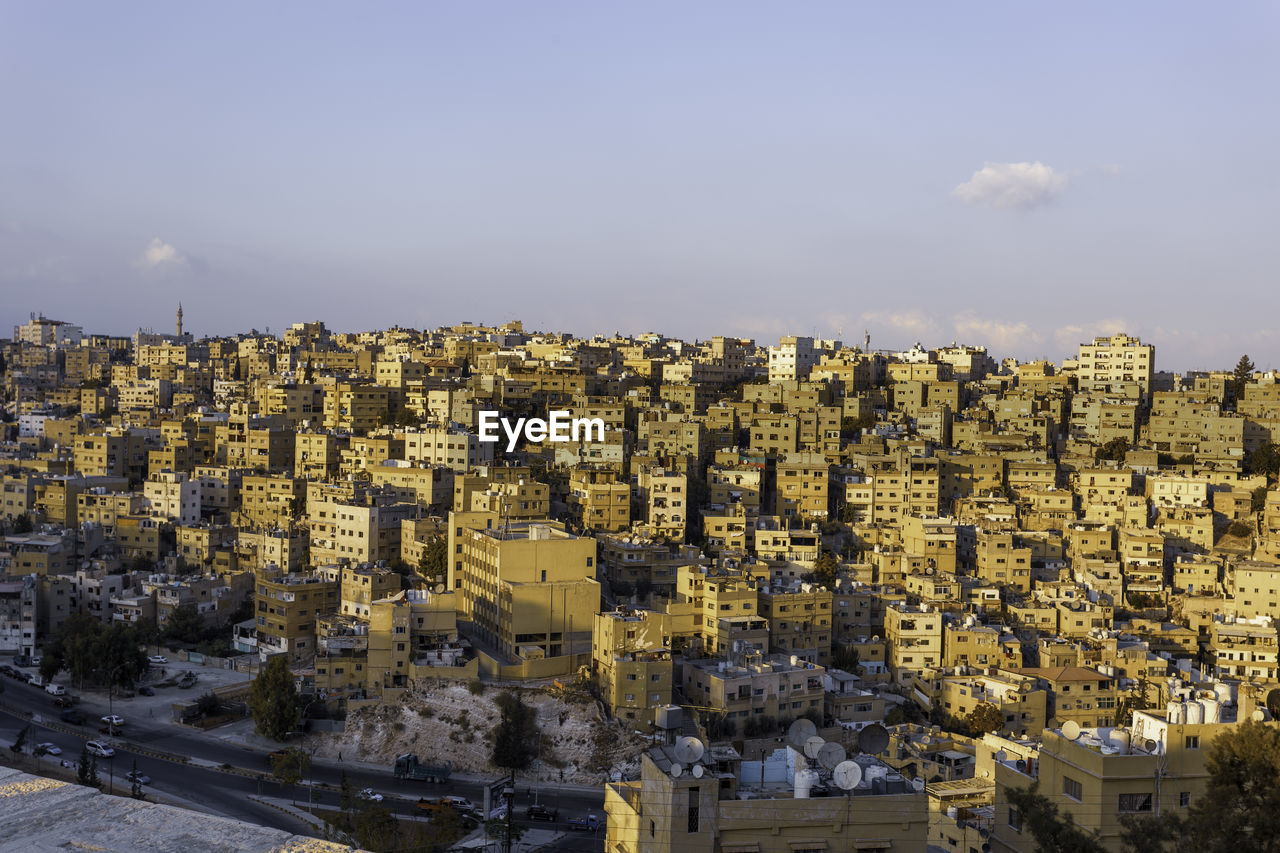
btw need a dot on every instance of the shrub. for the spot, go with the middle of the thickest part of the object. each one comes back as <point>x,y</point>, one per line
<point>476,687</point>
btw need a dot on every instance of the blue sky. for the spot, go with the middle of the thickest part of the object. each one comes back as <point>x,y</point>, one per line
<point>1018,175</point>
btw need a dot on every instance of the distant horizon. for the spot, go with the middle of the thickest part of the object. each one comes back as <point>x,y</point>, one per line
<point>529,328</point>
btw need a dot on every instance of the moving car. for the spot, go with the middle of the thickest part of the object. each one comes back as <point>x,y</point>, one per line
<point>462,804</point>
<point>100,749</point>
<point>50,748</point>
<point>56,689</point>
<point>370,795</point>
<point>75,718</point>
<point>146,690</point>
<point>157,660</point>
<point>138,776</point>
<point>590,823</point>
<point>537,812</point>
<point>113,720</point>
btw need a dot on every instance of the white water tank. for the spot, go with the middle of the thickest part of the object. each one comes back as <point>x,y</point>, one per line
<point>875,771</point>
<point>1175,713</point>
<point>1211,710</point>
<point>1222,692</point>
<point>805,780</point>
<point>1195,713</point>
<point>1120,739</point>
<point>953,812</point>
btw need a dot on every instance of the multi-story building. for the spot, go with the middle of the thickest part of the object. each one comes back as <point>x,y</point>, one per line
<point>631,656</point>
<point>287,607</point>
<point>915,639</point>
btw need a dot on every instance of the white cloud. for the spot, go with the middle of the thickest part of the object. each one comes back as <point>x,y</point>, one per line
<point>161,254</point>
<point>1012,186</point>
<point>1068,338</point>
<point>920,326</point>
<point>998,336</point>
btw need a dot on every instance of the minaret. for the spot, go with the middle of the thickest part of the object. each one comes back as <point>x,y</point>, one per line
<point>179,319</point>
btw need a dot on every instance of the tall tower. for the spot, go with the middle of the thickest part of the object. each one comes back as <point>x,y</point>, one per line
<point>179,319</point>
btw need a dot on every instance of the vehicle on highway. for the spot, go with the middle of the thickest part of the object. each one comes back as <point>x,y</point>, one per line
<point>56,689</point>
<point>36,661</point>
<point>537,812</point>
<point>275,753</point>
<point>408,766</point>
<point>589,823</point>
<point>138,776</point>
<point>50,748</point>
<point>113,720</point>
<point>462,804</point>
<point>433,805</point>
<point>188,680</point>
<point>157,660</point>
<point>146,690</point>
<point>75,718</point>
<point>100,749</point>
<point>370,795</point>
<point>36,680</point>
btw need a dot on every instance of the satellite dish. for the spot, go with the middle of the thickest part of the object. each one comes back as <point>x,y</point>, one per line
<point>1071,730</point>
<point>800,731</point>
<point>439,589</point>
<point>698,770</point>
<point>676,770</point>
<point>1258,716</point>
<point>1002,756</point>
<point>847,775</point>
<point>688,750</point>
<point>873,739</point>
<point>917,785</point>
<point>812,746</point>
<point>831,755</point>
<point>1149,745</point>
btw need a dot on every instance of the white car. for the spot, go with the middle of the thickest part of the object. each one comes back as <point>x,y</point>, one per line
<point>157,660</point>
<point>49,748</point>
<point>370,795</point>
<point>138,776</point>
<point>113,720</point>
<point>99,749</point>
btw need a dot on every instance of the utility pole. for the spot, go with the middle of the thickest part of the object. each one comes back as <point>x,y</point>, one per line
<point>509,794</point>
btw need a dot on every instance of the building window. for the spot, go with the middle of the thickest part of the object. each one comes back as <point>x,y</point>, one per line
<point>1071,788</point>
<point>693,809</point>
<point>1131,803</point>
<point>1015,819</point>
<point>1193,742</point>
<point>1184,799</point>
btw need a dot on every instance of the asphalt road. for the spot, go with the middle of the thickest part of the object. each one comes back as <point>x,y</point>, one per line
<point>227,793</point>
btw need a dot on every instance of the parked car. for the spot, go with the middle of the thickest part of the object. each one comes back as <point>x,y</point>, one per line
<point>537,812</point>
<point>56,689</point>
<point>100,749</point>
<point>22,660</point>
<point>157,660</point>
<point>36,680</point>
<point>188,680</point>
<point>36,661</point>
<point>7,670</point>
<point>370,795</point>
<point>75,718</point>
<point>433,805</point>
<point>146,690</point>
<point>138,776</point>
<point>113,720</point>
<point>62,702</point>
<point>589,823</point>
<point>49,748</point>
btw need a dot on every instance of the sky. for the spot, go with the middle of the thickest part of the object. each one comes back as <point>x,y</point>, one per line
<point>1025,176</point>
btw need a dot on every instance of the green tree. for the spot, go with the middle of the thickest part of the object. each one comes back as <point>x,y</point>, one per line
<point>984,718</point>
<point>347,794</point>
<point>1265,461</point>
<point>515,737</point>
<point>1240,809</point>
<point>273,699</point>
<point>434,562</point>
<point>375,827</point>
<point>289,765</point>
<point>1053,832</point>
<point>22,523</point>
<point>826,569</point>
<point>1240,377</point>
<point>135,789</point>
<point>1113,451</point>
<point>184,625</point>
<point>87,769</point>
<point>20,741</point>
